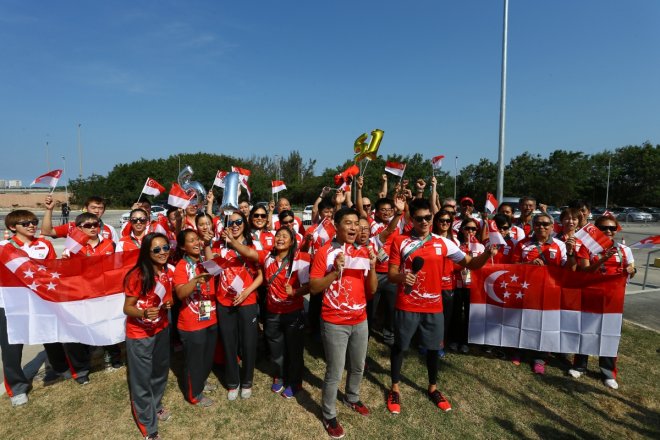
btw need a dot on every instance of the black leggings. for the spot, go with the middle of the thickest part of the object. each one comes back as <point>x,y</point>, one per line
<point>396,362</point>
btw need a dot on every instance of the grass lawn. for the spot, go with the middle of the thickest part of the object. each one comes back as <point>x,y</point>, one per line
<point>491,398</point>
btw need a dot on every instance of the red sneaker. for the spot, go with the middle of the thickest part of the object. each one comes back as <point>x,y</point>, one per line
<point>358,407</point>
<point>333,428</point>
<point>439,400</point>
<point>394,402</point>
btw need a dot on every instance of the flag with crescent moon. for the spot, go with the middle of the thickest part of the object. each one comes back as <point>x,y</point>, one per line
<point>546,309</point>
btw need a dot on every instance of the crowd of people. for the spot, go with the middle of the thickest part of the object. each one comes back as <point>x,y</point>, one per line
<point>212,285</point>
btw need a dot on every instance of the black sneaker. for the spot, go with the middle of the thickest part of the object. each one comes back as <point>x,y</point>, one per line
<point>83,380</point>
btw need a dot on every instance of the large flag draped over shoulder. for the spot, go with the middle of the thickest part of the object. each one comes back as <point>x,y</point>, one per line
<point>546,309</point>
<point>73,300</point>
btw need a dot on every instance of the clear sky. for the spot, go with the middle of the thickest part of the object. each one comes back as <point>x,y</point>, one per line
<point>154,78</point>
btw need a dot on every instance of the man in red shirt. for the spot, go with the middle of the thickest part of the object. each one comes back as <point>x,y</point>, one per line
<point>419,295</point>
<point>344,274</point>
<point>94,205</point>
<point>284,205</point>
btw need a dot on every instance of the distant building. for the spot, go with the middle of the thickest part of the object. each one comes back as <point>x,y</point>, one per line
<point>8,183</point>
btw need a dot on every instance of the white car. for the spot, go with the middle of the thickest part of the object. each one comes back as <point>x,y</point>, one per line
<point>307,215</point>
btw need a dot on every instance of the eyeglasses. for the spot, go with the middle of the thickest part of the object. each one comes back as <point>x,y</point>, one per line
<point>423,218</point>
<point>160,249</point>
<point>259,215</point>
<point>27,223</point>
<point>444,220</point>
<point>138,220</point>
<point>608,228</point>
<point>542,224</point>
<point>470,228</point>
<point>366,206</point>
<point>364,228</point>
<point>237,222</point>
<point>288,222</point>
<point>89,225</point>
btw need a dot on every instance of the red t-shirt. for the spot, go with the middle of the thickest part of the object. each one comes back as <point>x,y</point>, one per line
<point>39,249</point>
<point>448,275</point>
<point>263,240</point>
<point>137,328</point>
<point>617,263</point>
<point>107,232</point>
<point>188,320</point>
<point>382,262</point>
<point>426,293</point>
<point>581,251</point>
<point>236,275</point>
<point>128,243</point>
<point>277,300</point>
<point>504,251</point>
<point>344,301</point>
<point>103,247</point>
<point>553,252</point>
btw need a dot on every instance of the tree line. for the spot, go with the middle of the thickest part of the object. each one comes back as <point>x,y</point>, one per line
<point>554,180</point>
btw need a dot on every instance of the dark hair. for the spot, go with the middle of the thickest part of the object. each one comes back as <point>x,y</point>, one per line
<point>80,219</point>
<point>418,205</point>
<point>572,211</point>
<point>181,241</point>
<point>18,215</point>
<point>140,210</point>
<point>95,199</point>
<point>171,210</point>
<point>291,253</point>
<point>145,201</point>
<point>326,203</point>
<point>254,210</point>
<point>579,204</point>
<point>202,215</point>
<point>343,212</point>
<point>383,201</point>
<point>247,229</point>
<point>503,204</point>
<point>144,268</point>
<point>526,199</point>
<point>435,228</point>
<point>501,220</point>
<point>286,213</point>
<point>607,217</point>
<point>461,237</point>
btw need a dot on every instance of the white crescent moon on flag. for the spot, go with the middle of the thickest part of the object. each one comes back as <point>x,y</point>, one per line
<point>490,281</point>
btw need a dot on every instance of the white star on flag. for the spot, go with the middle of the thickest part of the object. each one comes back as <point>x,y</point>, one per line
<point>28,274</point>
<point>525,285</point>
<point>40,268</point>
<point>514,278</point>
<point>507,294</point>
<point>504,284</point>
<point>55,275</point>
<point>33,286</point>
<point>519,295</point>
<point>51,286</point>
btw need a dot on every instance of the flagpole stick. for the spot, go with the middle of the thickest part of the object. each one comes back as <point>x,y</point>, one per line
<point>145,184</point>
<point>364,170</point>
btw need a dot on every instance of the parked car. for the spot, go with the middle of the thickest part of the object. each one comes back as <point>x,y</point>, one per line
<point>629,214</point>
<point>655,212</point>
<point>156,210</point>
<point>307,215</point>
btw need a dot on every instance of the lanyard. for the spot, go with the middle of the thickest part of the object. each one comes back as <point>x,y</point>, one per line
<point>191,267</point>
<point>416,246</point>
<point>283,265</point>
<point>541,256</point>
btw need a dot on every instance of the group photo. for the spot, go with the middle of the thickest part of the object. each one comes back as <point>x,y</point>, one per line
<point>257,261</point>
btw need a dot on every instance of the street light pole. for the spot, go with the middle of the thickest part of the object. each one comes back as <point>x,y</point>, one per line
<point>607,189</point>
<point>277,174</point>
<point>66,187</point>
<point>80,152</point>
<point>47,158</point>
<point>455,174</point>
<point>500,156</point>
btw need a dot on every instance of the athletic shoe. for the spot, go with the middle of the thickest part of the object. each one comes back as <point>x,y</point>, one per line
<point>277,386</point>
<point>246,393</point>
<point>116,365</point>
<point>52,377</point>
<point>204,402</point>
<point>465,349</point>
<point>611,383</point>
<point>441,353</point>
<point>19,399</point>
<point>232,394</point>
<point>209,387</point>
<point>439,400</point>
<point>333,428</point>
<point>288,392</point>
<point>153,436</point>
<point>358,407</point>
<point>163,415</point>
<point>539,368</point>
<point>83,380</point>
<point>575,374</point>
<point>515,359</point>
<point>394,402</point>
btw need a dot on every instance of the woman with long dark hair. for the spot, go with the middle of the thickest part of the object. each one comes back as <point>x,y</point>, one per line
<point>197,322</point>
<point>286,273</point>
<point>261,236</point>
<point>236,263</point>
<point>139,220</point>
<point>148,287</point>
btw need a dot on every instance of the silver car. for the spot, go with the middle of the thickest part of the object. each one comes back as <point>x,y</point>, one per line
<point>634,215</point>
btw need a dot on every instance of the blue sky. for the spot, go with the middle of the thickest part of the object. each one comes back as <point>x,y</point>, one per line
<point>154,78</point>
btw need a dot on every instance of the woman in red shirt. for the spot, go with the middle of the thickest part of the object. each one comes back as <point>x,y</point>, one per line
<point>148,287</point>
<point>197,322</point>
<point>139,220</point>
<point>261,237</point>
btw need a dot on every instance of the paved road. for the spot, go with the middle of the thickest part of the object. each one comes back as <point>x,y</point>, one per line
<point>641,306</point>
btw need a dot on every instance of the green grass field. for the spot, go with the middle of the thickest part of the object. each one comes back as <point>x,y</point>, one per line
<point>491,398</point>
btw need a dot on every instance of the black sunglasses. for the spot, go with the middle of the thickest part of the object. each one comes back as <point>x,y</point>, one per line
<point>469,228</point>
<point>608,228</point>
<point>237,222</point>
<point>160,249</point>
<point>366,206</point>
<point>503,228</point>
<point>89,225</point>
<point>423,218</point>
<point>27,223</point>
<point>138,220</point>
<point>543,224</point>
<point>259,215</point>
<point>444,220</point>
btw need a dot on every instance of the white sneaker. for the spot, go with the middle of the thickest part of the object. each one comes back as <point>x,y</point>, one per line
<point>19,399</point>
<point>575,374</point>
<point>246,393</point>
<point>611,383</point>
<point>232,394</point>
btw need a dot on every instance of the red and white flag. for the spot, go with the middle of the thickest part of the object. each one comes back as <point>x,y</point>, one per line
<point>76,300</point>
<point>436,162</point>
<point>649,242</point>
<point>242,171</point>
<point>593,238</point>
<point>75,240</point>
<point>546,309</point>
<point>278,185</point>
<point>395,168</point>
<point>178,197</point>
<point>152,187</point>
<point>324,232</point>
<point>243,181</point>
<point>494,235</point>
<point>220,179</point>
<point>50,178</point>
<point>491,203</point>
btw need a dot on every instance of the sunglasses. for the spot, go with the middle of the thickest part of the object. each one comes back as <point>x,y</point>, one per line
<point>259,215</point>
<point>444,220</point>
<point>543,224</point>
<point>386,209</point>
<point>289,222</point>
<point>89,225</point>
<point>27,223</point>
<point>160,249</point>
<point>138,220</point>
<point>366,206</point>
<point>470,228</point>
<point>504,228</point>
<point>607,228</point>
<point>237,222</point>
<point>423,218</point>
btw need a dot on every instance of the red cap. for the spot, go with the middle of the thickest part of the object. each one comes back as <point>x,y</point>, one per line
<point>467,199</point>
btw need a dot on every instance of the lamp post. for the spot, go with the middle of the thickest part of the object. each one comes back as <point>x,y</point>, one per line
<point>277,174</point>
<point>455,174</point>
<point>607,188</point>
<point>66,187</point>
<point>79,152</point>
<point>500,160</point>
